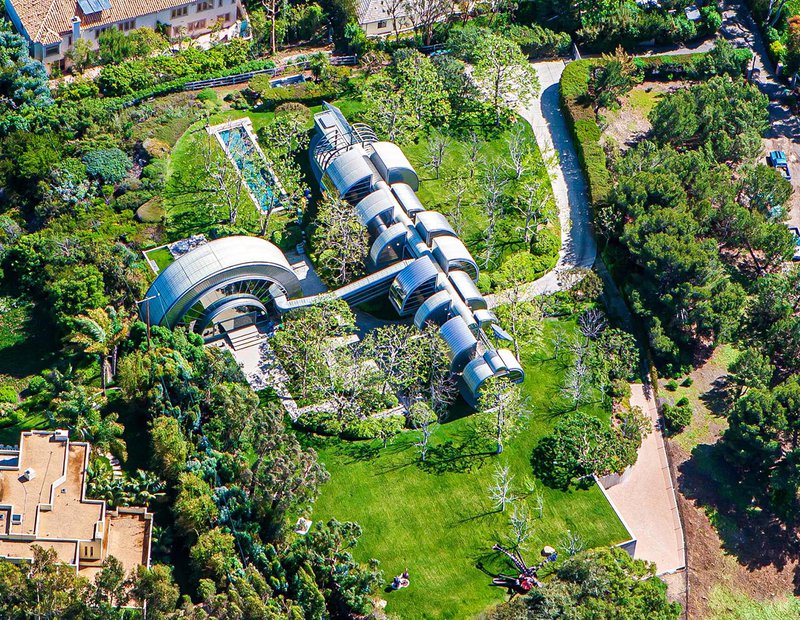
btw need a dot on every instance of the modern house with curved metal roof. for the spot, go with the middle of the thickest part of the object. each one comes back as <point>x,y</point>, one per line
<point>225,283</point>
<point>437,284</point>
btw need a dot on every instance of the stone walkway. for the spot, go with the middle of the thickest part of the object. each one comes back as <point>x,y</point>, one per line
<point>646,498</point>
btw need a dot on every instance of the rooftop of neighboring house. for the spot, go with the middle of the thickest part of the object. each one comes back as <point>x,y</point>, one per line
<point>46,21</point>
<point>371,11</point>
<point>43,502</point>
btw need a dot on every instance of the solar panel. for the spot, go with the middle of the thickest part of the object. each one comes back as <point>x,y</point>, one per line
<point>93,6</point>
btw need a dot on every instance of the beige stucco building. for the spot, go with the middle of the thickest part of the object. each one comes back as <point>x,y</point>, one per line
<point>53,26</point>
<point>43,502</point>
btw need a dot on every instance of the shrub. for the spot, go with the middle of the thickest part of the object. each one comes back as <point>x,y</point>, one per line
<point>108,165</point>
<point>538,42</point>
<point>546,243</point>
<point>620,389</point>
<point>687,382</point>
<point>327,423</point>
<point>583,127</point>
<point>671,385</point>
<point>37,385</point>
<point>677,416</point>
<point>8,394</point>
<point>207,94</point>
<point>308,93</point>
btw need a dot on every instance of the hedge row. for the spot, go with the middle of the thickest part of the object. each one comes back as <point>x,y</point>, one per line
<point>582,120</point>
<point>177,85</point>
<point>582,124</point>
<point>308,93</point>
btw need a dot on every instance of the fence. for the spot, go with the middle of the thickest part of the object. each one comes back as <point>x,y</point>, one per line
<point>240,78</point>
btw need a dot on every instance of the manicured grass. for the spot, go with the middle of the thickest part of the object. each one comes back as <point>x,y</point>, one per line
<point>162,257</point>
<point>438,194</point>
<point>436,519</point>
<point>726,604</point>
<point>643,99</point>
<point>10,428</point>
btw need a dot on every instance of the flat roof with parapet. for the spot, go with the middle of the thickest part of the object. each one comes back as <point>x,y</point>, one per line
<point>43,502</point>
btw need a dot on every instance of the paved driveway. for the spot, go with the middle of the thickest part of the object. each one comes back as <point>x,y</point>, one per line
<point>646,498</point>
<point>578,248</point>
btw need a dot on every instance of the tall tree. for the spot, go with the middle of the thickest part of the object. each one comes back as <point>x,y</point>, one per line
<point>501,407</point>
<point>341,241</point>
<point>504,74</point>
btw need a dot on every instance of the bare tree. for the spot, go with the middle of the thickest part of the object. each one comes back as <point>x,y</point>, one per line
<point>521,526</point>
<point>396,10</point>
<point>224,178</point>
<point>426,13</point>
<point>576,383</point>
<point>474,145</point>
<point>502,408</point>
<point>423,419</point>
<point>437,146</point>
<point>493,183</point>
<point>501,491</point>
<point>519,148</point>
<point>573,543</point>
<point>592,323</point>
<point>458,191</point>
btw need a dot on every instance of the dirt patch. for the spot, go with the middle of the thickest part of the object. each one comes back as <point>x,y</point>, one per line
<point>709,564</point>
<point>629,124</point>
<point>730,544</point>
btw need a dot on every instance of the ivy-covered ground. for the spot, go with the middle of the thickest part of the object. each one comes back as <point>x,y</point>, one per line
<point>436,519</point>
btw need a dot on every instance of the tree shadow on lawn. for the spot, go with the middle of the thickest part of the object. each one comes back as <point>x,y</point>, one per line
<point>464,454</point>
<point>718,398</point>
<point>740,514</point>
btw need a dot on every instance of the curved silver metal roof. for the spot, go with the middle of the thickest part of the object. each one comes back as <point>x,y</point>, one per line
<point>407,198</point>
<point>379,204</point>
<point>349,170</point>
<point>214,265</point>
<point>475,373</point>
<point>435,309</point>
<point>513,367</point>
<point>421,274</point>
<point>468,291</point>
<point>461,342</point>
<point>389,245</point>
<point>432,224</point>
<point>451,253</point>
<point>393,165</point>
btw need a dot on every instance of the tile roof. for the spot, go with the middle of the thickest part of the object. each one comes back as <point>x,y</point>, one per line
<point>370,11</point>
<point>46,21</point>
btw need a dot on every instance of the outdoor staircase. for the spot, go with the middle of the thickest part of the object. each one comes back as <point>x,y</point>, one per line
<point>245,337</point>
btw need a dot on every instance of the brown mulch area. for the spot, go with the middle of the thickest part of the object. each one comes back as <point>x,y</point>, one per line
<point>750,553</point>
<point>710,565</point>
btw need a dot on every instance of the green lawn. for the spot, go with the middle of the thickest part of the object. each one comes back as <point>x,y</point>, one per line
<point>728,605</point>
<point>437,521</point>
<point>437,194</point>
<point>162,257</point>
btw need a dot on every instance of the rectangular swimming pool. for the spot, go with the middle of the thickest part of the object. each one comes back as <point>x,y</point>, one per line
<point>254,170</point>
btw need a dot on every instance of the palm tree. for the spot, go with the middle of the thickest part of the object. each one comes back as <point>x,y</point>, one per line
<point>100,332</point>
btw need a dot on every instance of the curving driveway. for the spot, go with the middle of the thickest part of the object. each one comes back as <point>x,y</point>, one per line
<point>578,247</point>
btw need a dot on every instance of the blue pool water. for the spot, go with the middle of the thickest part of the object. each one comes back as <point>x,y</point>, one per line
<point>286,81</point>
<point>248,160</point>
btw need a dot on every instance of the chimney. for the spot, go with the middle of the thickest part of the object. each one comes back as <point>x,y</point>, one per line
<point>76,28</point>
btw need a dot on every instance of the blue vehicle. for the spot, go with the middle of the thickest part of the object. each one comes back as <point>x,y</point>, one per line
<point>777,159</point>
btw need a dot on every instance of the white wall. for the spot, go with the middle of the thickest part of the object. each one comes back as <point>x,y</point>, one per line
<point>90,34</point>
<point>371,29</point>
